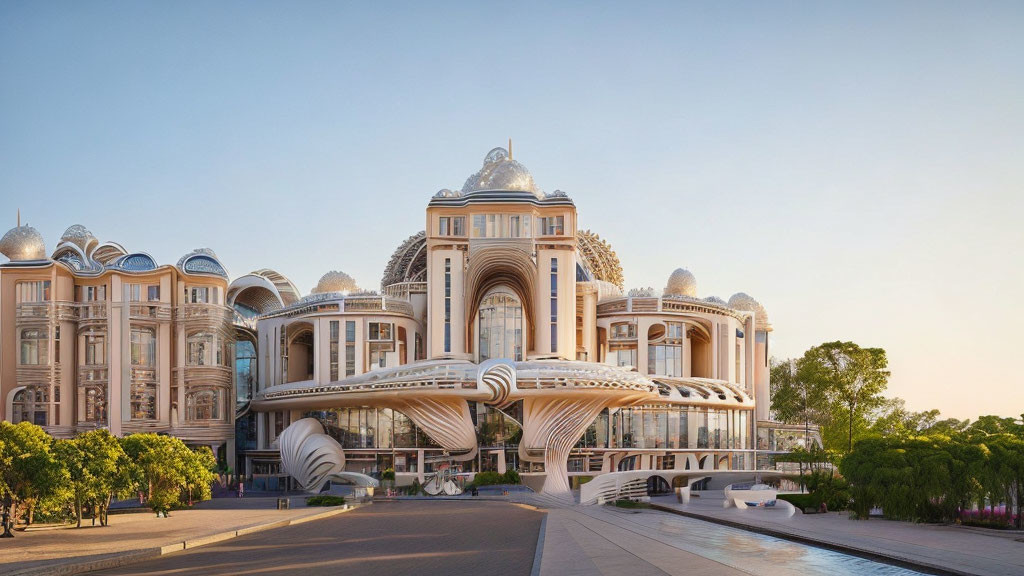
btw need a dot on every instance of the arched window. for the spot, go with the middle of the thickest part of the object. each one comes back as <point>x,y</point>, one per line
<point>665,349</point>
<point>31,404</point>
<point>203,404</point>
<point>35,346</point>
<point>500,326</point>
<point>21,406</point>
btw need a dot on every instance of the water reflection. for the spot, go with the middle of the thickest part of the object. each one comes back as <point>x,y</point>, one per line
<point>756,553</point>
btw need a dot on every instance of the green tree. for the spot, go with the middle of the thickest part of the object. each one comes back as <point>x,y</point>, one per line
<point>33,473</point>
<point>99,471</point>
<point>170,471</point>
<point>852,380</point>
<point>893,419</point>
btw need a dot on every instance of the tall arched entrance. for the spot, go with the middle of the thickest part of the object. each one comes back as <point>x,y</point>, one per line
<point>500,325</point>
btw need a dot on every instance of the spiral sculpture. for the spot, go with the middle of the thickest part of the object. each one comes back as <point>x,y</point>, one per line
<point>313,458</point>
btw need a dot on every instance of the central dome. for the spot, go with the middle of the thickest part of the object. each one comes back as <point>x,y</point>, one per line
<point>335,281</point>
<point>501,172</point>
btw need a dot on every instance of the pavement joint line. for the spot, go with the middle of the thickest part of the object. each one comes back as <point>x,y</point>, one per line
<point>126,557</point>
<point>890,558</point>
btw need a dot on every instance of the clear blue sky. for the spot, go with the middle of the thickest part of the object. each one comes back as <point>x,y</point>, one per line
<point>857,167</point>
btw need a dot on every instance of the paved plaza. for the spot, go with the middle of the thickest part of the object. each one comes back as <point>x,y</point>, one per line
<point>44,551</point>
<point>393,538</point>
<point>472,536</point>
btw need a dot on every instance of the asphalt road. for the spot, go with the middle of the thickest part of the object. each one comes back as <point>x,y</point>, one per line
<point>386,538</point>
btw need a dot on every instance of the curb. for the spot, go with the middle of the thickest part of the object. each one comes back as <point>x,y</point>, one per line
<point>845,549</point>
<point>117,559</point>
<point>539,552</point>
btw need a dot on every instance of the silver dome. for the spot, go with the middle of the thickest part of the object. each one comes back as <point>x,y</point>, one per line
<point>681,283</point>
<point>22,244</point>
<point>335,281</point>
<point>500,172</point>
<point>80,236</point>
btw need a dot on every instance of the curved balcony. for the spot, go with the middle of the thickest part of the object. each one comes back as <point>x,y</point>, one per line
<point>156,311</point>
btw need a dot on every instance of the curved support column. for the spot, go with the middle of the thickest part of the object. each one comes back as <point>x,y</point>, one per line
<point>555,425</point>
<point>313,458</point>
<point>446,420</point>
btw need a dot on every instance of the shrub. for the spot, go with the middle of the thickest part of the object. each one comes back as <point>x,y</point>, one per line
<point>625,503</point>
<point>325,500</point>
<point>801,501</point>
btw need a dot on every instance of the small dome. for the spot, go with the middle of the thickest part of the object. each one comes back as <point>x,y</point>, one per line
<point>681,283</point>
<point>335,281</point>
<point>715,300</point>
<point>746,303</point>
<point>80,236</point>
<point>23,243</point>
<point>500,172</point>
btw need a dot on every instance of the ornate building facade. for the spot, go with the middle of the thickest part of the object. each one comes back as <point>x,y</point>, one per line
<point>501,337</point>
<point>96,336</point>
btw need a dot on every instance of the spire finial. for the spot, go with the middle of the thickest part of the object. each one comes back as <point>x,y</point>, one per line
<point>19,217</point>
<point>509,148</point>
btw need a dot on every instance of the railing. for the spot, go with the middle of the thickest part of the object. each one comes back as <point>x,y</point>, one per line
<point>33,310</point>
<point>214,312</point>
<point>92,311</point>
<point>402,290</point>
<point>150,311</point>
<point>92,374</point>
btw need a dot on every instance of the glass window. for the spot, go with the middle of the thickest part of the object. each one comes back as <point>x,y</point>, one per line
<point>459,226</point>
<point>444,227</point>
<point>34,291</point>
<point>448,304</point>
<point>245,371</point>
<point>153,293</point>
<point>500,326</point>
<point>624,357</point>
<point>95,404</point>
<point>479,225</point>
<point>35,346</point>
<point>380,331</point>
<point>552,225</point>
<point>204,350</point>
<point>350,347</point>
<point>143,401</point>
<point>143,347</point>
<point>202,295</point>
<point>203,404</point>
<point>334,349</point>
<point>623,330</point>
<point>95,349</point>
<point>554,307</point>
<point>92,293</point>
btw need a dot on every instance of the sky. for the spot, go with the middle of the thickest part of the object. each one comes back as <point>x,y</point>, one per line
<point>856,167</point>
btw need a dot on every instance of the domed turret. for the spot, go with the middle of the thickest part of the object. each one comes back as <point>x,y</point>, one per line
<point>501,172</point>
<point>23,244</point>
<point>746,303</point>
<point>335,281</point>
<point>681,283</point>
